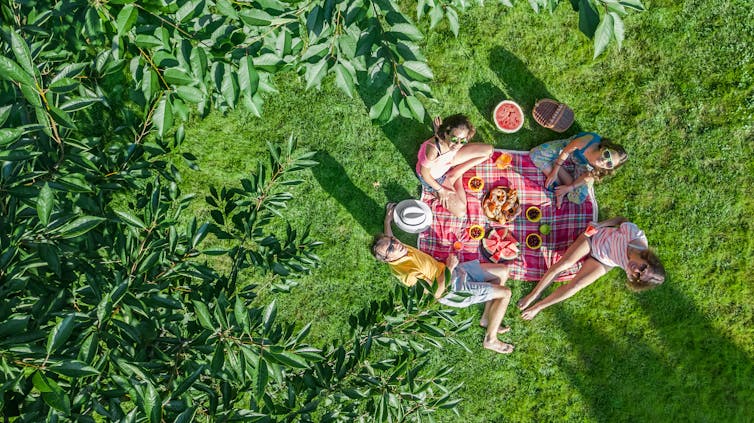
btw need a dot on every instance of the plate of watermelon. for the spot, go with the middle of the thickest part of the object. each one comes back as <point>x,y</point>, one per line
<point>499,246</point>
<point>508,116</point>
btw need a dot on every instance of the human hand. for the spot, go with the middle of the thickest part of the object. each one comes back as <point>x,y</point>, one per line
<point>525,302</point>
<point>443,194</point>
<point>562,190</point>
<point>551,178</point>
<point>451,262</point>
<point>389,207</point>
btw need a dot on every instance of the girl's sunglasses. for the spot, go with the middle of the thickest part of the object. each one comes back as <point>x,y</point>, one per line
<point>458,140</point>
<point>607,155</point>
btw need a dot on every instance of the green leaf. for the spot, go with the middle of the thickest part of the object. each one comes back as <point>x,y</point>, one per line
<point>619,30</point>
<point>72,368</point>
<point>190,94</point>
<point>452,16</point>
<point>344,80</point>
<point>126,19</point>
<point>588,18</point>
<point>314,73</point>
<point>4,113</point>
<point>60,333</point>
<point>21,51</point>
<point>255,17</point>
<point>163,116</point>
<point>199,235</point>
<point>10,71</point>
<point>153,404</point>
<point>418,70</point>
<point>417,108</point>
<point>229,86</point>
<point>61,117</point>
<point>382,108</point>
<point>9,135</point>
<point>262,378</point>
<point>408,30</point>
<point>633,4</point>
<point>130,219</point>
<point>248,78</point>
<point>78,227</point>
<point>177,76</point>
<point>202,313</point>
<point>603,34</point>
<point>435,15</point>
<point>44,204</point>
<point>32,96</point>
<point>186,383</point>
<point>64,85</point>
<point>269,314</point>
<point>289,359</point>
<point>52,394</point>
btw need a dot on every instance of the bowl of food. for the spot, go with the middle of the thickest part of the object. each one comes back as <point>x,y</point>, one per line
<point>533,214</point>
<point>533,241</point>
<point>476,232</point>
<point>508,116</point>
<point>504,161</point>
<point>475,184</point>
<point>499,245</point>
<point>501,204</point>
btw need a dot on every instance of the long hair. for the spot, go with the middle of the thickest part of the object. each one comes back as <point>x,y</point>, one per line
<point>598,173</point>
<point>655,273</point>
<point>375,243</point>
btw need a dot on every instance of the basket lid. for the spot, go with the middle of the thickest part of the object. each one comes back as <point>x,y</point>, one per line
<point>553,115</point>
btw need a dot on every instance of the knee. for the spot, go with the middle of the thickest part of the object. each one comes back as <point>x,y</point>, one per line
<point>499,291</point>
<point>488,150</point>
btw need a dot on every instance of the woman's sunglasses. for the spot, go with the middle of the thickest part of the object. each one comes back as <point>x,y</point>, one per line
<point>458,140</point>
<point>607,155</point>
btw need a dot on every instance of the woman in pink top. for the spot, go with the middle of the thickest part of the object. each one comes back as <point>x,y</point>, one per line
<point>612,243</point>
<point>444,158</point>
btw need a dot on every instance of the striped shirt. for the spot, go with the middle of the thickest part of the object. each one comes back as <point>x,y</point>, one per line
<point>610,244</point>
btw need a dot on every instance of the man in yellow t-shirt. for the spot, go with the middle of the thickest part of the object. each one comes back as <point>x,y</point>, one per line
<point>476,282</point>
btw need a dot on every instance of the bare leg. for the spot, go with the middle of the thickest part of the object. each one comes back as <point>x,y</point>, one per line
<point>467,157</point>
<point>457,202</point>
<point>564,178</point>
<point>573,254</point>
<point>590,271</point>
<point>497,311</point>
<point>495,274</point>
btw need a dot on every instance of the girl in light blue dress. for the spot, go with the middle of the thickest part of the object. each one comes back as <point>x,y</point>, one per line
<point>573,164</point>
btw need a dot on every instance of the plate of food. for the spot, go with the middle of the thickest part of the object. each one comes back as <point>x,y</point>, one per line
<point>501,204</point>
<point>499,246</point>
<point>533,241</point>
<point>476,183</point>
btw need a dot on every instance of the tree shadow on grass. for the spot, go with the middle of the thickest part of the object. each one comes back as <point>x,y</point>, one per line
<point>334,179</point>
<point>521,86</point>
<point>696,375</point>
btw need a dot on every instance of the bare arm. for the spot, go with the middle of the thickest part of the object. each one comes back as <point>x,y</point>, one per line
<point>581,180</point>
<point>573,145</point>
<point>387,224</point>
<point>615,221</point>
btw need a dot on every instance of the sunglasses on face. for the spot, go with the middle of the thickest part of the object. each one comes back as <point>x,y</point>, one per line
<point>607,155</point>
<point>458,140</point>
<point>390,249</point>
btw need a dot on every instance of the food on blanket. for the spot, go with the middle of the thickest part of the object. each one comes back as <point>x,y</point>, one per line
<point>533,241</point>
<point>533,214</point>
<point>508,116</point>
<point>590,230</point>
<point>501,204</point>
<point>476,232</point>
<point>504,161</point>
<point>500,245</point>
<point>458,245</point>
<point>544,229</point>
<point>476,183</point>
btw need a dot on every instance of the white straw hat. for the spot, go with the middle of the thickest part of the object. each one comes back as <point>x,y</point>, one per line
<point>412,216</point>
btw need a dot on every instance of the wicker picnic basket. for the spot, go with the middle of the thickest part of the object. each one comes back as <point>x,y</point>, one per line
<point>553,115</point>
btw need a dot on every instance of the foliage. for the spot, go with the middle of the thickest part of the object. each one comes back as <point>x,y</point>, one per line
<point>110,305</point>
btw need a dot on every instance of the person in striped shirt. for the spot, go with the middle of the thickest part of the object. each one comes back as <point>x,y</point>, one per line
<point>612,243</point>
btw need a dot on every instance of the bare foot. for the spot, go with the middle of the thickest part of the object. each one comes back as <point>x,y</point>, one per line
<point>530,313</point>
<point>500,330</point>
<point>498,346</point>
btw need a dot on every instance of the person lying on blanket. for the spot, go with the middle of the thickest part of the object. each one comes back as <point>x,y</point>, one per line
<point>470,282</point>
<point>444,158</point>
<point>590,156</point>
<point>612,243</point>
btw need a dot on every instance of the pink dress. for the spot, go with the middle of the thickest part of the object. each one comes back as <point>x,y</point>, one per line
<point>438,166</point>
<point>610,245</point>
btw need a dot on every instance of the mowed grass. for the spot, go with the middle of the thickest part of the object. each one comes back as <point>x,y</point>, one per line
<point>679,96</point>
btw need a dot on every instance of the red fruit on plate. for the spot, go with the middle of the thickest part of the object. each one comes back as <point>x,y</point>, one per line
<point>508,116</point>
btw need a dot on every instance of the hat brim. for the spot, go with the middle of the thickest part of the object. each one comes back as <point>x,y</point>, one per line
<point>408,227</point>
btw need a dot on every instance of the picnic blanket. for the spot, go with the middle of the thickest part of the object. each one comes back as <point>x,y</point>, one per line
<point>566,223</point>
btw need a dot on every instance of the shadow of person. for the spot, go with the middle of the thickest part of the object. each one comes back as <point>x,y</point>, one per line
<point>366,211</point>
<point>694,369</point>
<point>522,86</point>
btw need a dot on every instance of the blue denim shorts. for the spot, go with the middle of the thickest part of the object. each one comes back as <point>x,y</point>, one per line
<point>427,187</point>
<point>467,286</point>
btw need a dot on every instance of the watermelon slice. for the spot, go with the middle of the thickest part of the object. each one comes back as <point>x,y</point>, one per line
<point>508,116</point>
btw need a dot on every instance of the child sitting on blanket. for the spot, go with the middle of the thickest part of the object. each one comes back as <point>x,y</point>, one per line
<point>444,158</point>
<point>590,156</point>
<point>612,243</point>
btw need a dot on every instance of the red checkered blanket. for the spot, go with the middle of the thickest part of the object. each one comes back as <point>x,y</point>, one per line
<point>566,223</point>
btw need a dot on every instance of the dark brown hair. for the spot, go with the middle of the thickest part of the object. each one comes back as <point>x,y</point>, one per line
<point>452,122</point>
<point>605,143</point>
<point>377,238</point>
<point>655,271</point>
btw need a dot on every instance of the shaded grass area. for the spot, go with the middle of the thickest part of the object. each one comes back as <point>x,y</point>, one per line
<point>679,97</point>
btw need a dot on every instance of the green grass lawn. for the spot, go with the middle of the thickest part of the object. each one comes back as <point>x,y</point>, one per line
<point>679,97</point>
